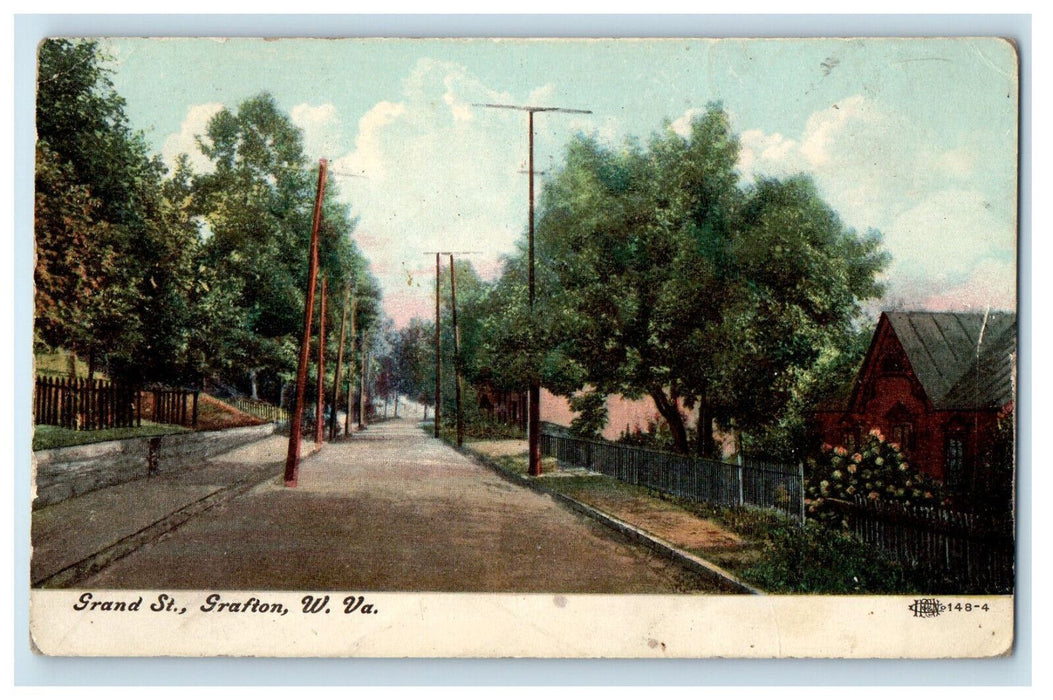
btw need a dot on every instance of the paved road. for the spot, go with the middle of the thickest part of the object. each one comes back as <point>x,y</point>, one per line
<point>395,509</point>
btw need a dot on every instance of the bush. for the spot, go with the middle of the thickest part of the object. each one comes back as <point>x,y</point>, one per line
<point>816,559</point>
<point>481,429</point>
<point>656,437</point>
<point>591,418</point>
<point>877,471</point>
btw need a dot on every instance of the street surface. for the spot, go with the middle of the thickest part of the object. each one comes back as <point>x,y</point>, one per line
<point>393,509</point>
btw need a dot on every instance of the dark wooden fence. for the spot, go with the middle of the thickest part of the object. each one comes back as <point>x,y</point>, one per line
<point>701,480</point>
<point>175,406</point>
<point>97,404</point>
<point>86,404</point>
<point>975,550</point>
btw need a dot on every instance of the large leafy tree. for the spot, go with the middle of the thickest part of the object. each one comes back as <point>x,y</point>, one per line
<point>667,277</point>
<point>258,204</point>
<point>109,285</point>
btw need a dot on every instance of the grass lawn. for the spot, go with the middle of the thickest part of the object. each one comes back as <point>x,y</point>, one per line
<point>47,437</point>
<point>56,364</point>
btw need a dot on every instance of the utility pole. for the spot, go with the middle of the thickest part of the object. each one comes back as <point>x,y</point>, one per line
<point>362,392</point>
<point>438,354</point>
<point>456,354</point>
<point>534,395</point>
<point>339,364</point>
<point>319,411</point>
<point>292,459</point>
<point>438,339</point>
<point>351,365</point>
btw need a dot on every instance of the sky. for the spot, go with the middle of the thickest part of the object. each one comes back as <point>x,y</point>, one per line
<point>916,138</point>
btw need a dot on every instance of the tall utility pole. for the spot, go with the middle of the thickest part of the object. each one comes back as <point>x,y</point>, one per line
<point>534,396</point>
<point>362,391</point>
<point>438,353</point>
<point>319,411</point>
<point>351,365</point>
<point>292,459</point>
<point>438,338</point>
<point>339,364</point>
<point>456,354</point>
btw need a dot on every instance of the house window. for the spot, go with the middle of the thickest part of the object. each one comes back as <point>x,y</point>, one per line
<point>903,435</point>
<point>849,439</point>
<point>850,436</point>
<point>955,462</point>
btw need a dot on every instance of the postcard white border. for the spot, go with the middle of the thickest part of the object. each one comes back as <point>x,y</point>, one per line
<point>36,669</point>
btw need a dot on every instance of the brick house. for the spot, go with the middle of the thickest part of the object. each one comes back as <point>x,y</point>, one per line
<point>934,383</point>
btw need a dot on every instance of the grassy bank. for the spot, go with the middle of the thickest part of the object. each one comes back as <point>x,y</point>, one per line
<point>47,437</point>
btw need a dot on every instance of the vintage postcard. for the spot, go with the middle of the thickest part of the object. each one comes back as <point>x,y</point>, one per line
<point>525,348</point>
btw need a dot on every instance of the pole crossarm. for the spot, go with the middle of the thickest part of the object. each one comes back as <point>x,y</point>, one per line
<point>530,108</point>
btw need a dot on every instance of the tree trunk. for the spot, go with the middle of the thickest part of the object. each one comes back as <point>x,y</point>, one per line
<point>252,378</point>
<point>704,427</point>
<point>671,412</point>
<point>71,364</point>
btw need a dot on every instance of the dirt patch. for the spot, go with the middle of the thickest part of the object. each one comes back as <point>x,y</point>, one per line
<point>663,519</point>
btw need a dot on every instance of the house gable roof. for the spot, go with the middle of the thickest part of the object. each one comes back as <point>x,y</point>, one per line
<point>962,360</point>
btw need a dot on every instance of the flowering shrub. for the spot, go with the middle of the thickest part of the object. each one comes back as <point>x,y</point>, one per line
<point>876,471</point>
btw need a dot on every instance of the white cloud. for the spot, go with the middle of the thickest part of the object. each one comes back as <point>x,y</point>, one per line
<point>682,125</point>
<point>184,141</point>
<point>320,127</point>
<point>879,170</point>
<point>442,174</point>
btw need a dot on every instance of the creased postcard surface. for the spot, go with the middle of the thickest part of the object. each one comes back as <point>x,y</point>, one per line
<point>531,348</point>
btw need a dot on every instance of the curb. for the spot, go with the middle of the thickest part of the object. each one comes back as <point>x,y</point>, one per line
<point>93,563</point>
<point>697,564</point>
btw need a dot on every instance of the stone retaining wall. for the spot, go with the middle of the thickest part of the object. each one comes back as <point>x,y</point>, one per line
<point>65,472</point>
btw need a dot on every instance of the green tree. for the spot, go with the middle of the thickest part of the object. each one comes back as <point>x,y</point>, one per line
<point>104,268</point>
<point>258,204</point>
<point>84,299</point>
<point>667,277</point>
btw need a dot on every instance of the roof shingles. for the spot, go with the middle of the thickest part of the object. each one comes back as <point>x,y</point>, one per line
<point>961,360</point>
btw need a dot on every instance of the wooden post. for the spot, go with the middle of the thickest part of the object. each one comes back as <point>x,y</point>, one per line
<point>456,355</point>
<point>339,362</point>
<point>319,412</point>
<point>362,391</point>
<point>438,355</point>
<point>292,459</point>
<point>351,365</point>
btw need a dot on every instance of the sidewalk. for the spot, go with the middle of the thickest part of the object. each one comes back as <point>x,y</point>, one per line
<point>75,537</point>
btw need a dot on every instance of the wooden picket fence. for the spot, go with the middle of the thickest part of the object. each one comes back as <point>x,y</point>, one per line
<point>974,549</point>
<point>98,404</point>
<point>175,406</point>
<point>86,404</point>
